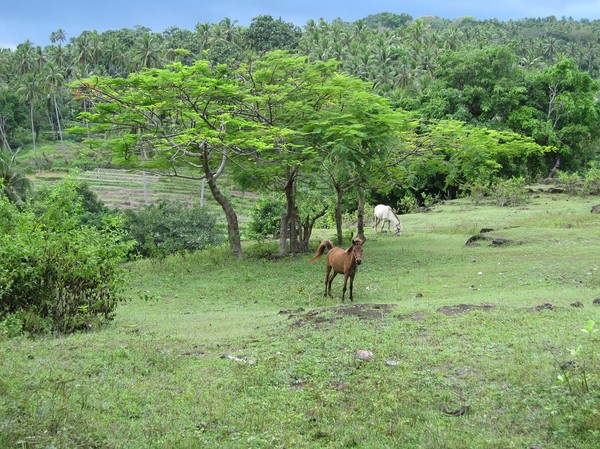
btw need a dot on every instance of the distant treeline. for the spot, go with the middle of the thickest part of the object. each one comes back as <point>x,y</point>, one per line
<point>480,72</point>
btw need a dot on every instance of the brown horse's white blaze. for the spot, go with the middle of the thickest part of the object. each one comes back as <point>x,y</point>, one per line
<point>340,261</point>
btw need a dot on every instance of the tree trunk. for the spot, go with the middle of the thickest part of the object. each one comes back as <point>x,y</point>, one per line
<point>289,220</point>
<point>555,168</point>
<point>35,161</point>
<point>283,226</point>
<point>3,135</point>
<point>360,227</point>
<point>306,231</point>
<point>60,134</point>
<point>338,214</point>
<point>233,229</point>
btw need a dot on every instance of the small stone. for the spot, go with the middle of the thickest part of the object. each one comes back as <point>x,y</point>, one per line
<point>364,355</point>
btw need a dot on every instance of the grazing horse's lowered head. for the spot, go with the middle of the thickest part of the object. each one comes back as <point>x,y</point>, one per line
<point>340,261</point>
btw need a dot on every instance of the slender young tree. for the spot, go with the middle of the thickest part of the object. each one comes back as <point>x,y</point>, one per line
<point>30,92</point>
<point>55,82</point>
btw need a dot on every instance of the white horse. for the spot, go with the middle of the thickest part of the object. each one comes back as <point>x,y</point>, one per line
<point>385,213</point>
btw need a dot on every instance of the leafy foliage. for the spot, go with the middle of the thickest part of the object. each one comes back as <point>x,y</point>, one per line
<point>57,274</point>
<point>578,384</point>
<point>456,155</point>
<point>265,218</point>
<point>592,180</point>
<point>172,227</point>
<point>14,185</point>
<point>266,34</point>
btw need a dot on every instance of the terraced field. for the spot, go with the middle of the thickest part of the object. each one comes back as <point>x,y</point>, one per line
<point>123,189</point>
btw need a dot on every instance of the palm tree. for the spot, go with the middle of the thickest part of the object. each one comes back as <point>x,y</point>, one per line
<point>83,52</point>
<point>6,72</point>
<point>29,91</point>
<point>58,36</point>
<point>55,81</point>
<point>25,58</point>
<point>147,53</point>
<point>115,57</point>
<point>15,186</point>
<point>59,56</point>
<point>550,47</point>
<point>96,49</point>
<point>230,31</point>
<point>204,32</point>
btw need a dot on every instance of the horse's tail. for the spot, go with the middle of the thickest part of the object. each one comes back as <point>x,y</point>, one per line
<point>324,244</point>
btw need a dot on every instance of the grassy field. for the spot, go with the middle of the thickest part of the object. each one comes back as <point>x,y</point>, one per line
<point>468,344</point>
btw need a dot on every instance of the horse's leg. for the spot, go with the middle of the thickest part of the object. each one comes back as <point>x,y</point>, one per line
<point>333,275</point>
<point>351,285</point>
<point>327,283</point>
<point>376,223</point>
<point>344,289</point>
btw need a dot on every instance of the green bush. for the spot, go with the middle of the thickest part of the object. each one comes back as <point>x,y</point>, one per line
<point>265,218</point>
<point>172,227</point>
<point>57,274</point>
<point>509,192</point>
<point>572,182</point>
<point>591,180</point>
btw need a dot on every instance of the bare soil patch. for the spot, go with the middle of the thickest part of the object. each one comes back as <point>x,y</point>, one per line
<point>332,314</point>
<point>461,309</point>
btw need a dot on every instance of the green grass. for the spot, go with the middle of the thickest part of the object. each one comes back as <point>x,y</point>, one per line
<point>158,378</point>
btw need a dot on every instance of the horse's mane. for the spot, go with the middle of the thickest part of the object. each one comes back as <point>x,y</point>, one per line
<point>354,242</point>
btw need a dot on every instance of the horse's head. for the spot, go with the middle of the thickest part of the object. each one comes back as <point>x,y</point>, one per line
<point>356,249</point>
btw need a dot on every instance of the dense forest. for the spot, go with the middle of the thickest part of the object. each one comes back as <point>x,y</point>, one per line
<point>459,82</point>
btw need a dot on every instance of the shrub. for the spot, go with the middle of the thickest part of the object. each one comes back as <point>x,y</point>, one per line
<point>408,204</point>
<point>571,182</point>
<point>509,192</point>
<point>591,180</point>
<point>478,191</point>
<point>265,218</point>
<point>57,274</point>
<point>171,227</point>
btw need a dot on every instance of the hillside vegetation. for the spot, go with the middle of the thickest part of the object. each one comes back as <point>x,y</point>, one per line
<point>477,346</point>
<point>134,327</point>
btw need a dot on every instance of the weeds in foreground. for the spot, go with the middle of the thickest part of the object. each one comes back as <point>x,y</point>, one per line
<point>577,386</point>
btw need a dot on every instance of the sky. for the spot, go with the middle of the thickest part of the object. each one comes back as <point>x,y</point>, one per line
<point>34,20</point>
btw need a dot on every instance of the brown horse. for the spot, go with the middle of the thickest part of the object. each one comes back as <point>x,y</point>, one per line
<point>341,262</point>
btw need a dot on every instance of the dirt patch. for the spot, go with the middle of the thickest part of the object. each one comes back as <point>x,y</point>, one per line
<point>461,309</point>
<point>545,306</point>
<point>494,241</point>
<point>332,314</point>
<point>483,237</point>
